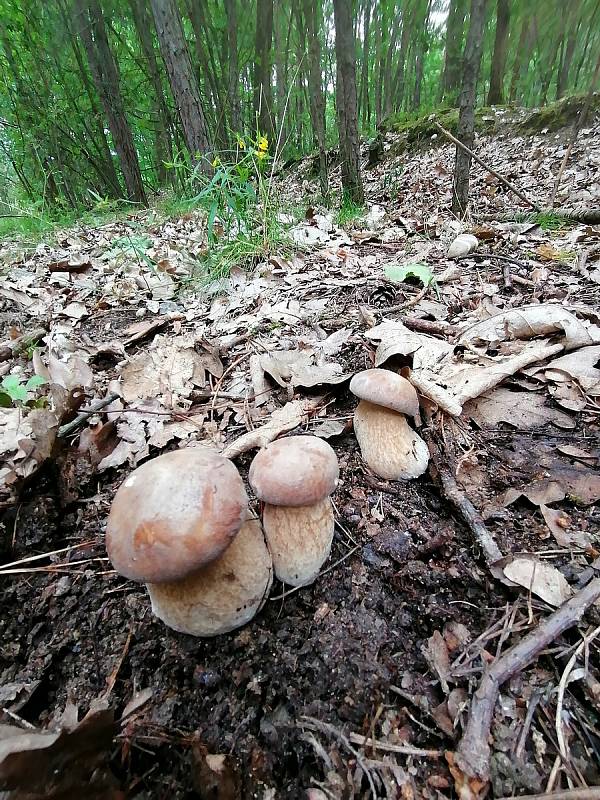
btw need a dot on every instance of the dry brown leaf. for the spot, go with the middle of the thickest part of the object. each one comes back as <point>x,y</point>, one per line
<point>436,655</point>
<point>523,410</point>
<point>539,577</point>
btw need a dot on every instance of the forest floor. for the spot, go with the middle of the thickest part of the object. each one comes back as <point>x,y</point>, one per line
<point>390,641</point>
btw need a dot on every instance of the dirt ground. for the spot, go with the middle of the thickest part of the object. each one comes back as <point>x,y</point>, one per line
<point>390,641</point>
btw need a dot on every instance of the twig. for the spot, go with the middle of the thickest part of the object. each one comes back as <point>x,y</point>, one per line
<point>13,347</point>
<point>473,753</point>
<point>577,126</point>
<point>482,163</point>
<point>404,749</point>
<point>426,326</point>
<point>81,418</point>
<point>587,793</point>
<point>461,502</point>
<point>41,556</point>
<point>324,727</point>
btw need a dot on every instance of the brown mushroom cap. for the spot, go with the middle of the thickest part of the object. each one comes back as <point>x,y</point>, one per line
<point>296,471</point>
<point>223,595</point>
<point>175,514</point>
<point>388,389</point>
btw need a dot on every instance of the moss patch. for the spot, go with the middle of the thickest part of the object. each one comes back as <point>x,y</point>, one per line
<point>417,129</point>
<point>559,114</point>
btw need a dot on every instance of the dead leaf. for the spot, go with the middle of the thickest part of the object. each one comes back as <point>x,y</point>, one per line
<point>436,655</point>
<point>215,777</point>
<point>523,410</point>
<point>462,245</point>
<point>539,577</point>
<point>284,419</point>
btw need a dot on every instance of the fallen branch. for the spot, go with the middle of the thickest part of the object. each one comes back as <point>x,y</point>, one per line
<point>403,749</point>
<point>470,764</point>
<point>578,213</point>
<point>13,347</point>
<point>82,417</point>
<point>487,167</point>
<point>460,501</point>
<point>587,793</point>
<point>426,326</point>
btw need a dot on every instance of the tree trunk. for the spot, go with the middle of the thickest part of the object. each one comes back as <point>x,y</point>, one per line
<point>565,66</point>
<point>106,79</point>
<point>364,107</point>
<point>496,91</point>
<point>345,51</point>
<point>143,26</point>
<point>400,79</point>
<point>312,19</point>
<point>548,70</point>
<point>422,46</point>
<point>518,62</point>
<point>379,61</point>
<point>466,115</point>
<point>452,60</point>
<point>263,100</point>
<point>181,79</point>
<point>233,77</point>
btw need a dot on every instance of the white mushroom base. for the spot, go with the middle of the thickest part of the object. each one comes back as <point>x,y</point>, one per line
<point>299,539</point>
<point>222,596</point>
<point>388,444</point>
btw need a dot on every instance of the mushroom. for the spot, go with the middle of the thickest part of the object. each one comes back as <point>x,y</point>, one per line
<point>294,478</point>
<point>180,524</point>
<point>387,443</point>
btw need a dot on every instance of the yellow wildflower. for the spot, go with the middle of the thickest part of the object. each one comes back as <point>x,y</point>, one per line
<point>263,143</point>
<point>216,162</point>
<point>241,144</point>
<point>260,154</point>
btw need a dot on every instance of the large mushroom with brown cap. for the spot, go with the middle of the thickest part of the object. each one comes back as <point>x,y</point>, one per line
<point>387,442</point>
<point>294,478</point>
<point>180,524</point>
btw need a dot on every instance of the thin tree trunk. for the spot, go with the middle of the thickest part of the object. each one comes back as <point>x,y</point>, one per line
<point>466,115</point>
<point>312,19</point>
<point>345,51</point>
<point>518,61</point>
<point>549,69</point>
<point>379,62</point>
<point>422,48</point>
<point>143,26</point>
<point>106,79</point>
<point>452,60</point>
<point>400,77</point>
<point>496,91</point>
<point>364,109</point>
<point>565,66</point>
<point>263,100</point>
<point>233,77</point>
<point>181,79</point>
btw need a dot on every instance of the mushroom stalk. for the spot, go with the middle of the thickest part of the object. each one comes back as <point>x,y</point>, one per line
<point>306,531</point>
<point>222,596</point>
<point>388,444</point>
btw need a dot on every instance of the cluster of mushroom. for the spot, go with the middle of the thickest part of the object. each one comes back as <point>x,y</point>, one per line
<point>181,524</point>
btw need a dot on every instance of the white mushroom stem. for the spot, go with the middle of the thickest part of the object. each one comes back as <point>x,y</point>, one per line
<point>388,444</point>
<point>222,596</point>
<point>299,539</point>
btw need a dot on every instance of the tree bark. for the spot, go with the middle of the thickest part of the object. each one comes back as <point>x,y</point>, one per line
<point>496,91</point>
<point>312,19</point>
<point>181,79</point>
<point>569,49</point>
<point>466,116</point>
<point>263,100</point>
<point>233,77</point>
<point>345,51</point>
<point>518,61</point>
<point>364,104</point>
<point>143,26</point>
<point>452,60</point>
<point>106,80</point>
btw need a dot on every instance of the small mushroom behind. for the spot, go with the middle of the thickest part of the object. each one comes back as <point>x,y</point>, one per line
<point>387,442</point>
<point>294,478</point>
<point>179,524</point>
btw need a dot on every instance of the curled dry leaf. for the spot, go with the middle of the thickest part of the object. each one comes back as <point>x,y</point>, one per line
<point>539,577</point>
<point>462,245</point>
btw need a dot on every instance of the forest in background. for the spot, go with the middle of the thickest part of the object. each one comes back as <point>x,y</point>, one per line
<point>102,100</point>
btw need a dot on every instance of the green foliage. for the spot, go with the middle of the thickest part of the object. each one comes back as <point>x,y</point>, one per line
<point>549,221</point>
<point>400,272</point>
<point>348,211</point>
<point>16,391</point>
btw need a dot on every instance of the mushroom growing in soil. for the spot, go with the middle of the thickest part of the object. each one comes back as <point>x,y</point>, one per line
<point>294,478</point>
<point>387,442</point>
<point>180,524</point>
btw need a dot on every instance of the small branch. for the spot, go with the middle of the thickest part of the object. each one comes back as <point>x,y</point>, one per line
<point>425,326</point>
<point>493,172</point>
<point>473,753</point>
<point>13,347</point>
<point>587,793</point>
<point>81,418</point>
<point>403,749</point>
<point>461,502</point>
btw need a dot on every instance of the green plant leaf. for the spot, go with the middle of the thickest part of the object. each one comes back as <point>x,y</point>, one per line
<point>34,382</point>
<point>14,388</point>
<point>400,272</point>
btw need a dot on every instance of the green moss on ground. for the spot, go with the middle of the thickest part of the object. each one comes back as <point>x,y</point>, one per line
<point>559,114</point>
<point>419,128</point>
